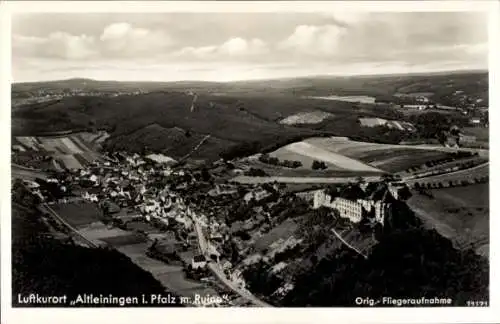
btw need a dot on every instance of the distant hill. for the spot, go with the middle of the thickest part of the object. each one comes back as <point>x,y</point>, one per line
<point>245,114</point>
<point>161,121</point>
<point>469,81</point>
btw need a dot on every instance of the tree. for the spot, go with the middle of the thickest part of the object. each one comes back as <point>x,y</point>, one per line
<point>316,165</point>
<point>264,158</point>
<point>387,177</point>
<point>205,175</point>
<point>273,161</point>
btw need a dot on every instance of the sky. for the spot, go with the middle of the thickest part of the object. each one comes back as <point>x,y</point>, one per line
<point>243,46</point>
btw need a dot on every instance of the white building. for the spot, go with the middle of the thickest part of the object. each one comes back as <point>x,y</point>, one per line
<point>90,197</point>
<point>395,189</point>
<point>346,208</point>
<point>351,209</point>
<point>257,195</point>
<point>94,179</point>
<point>199,262</point>
<point>379,209</point>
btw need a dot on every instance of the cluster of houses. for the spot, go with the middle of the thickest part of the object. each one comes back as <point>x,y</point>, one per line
<point>132,185</point>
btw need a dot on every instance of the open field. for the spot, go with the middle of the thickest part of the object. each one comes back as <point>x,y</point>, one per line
<point>170,276</point>
<point>460,213</point>
<point>78,214</point>
<point>92,138</point>
<point>304,171</point>
<point>481,133</point>
<point>477,160</point>
<point>133,246</point>
<point>361,99</point>
<point>390,158</point>
<point>282,231</point>
<point>306,118</point>
<point>122,240</point>
<point>307,153</point>
<point>482,136</point>
<point>479,171</point>
<point>72,151</point>
<point>372,122</point>
<point>98,231</point>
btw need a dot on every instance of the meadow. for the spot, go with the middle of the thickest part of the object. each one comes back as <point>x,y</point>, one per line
<point>78,214</point>
<point>386,157</point>
<point>72,151</point>
<point>460,213</point>
<point>307,153</point>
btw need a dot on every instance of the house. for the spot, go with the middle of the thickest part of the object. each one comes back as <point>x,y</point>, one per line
<point>199,262</point>
<point>475,121</point>
<point>257,195</point>
<point>94,179</point>
<point>221,189</point>
<point>467,139</point>
<point>212,250</point>
<point>216,237</point>
<point>452,141</point>
<point>90,197</point>
<point>422,99</point>
<point>226,265</point>
<point>31,184</point>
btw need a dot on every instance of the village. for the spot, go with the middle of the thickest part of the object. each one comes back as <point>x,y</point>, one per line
<point>196,218</point>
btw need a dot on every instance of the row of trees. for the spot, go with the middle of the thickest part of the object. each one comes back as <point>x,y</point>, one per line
<point>450,183</point>
<point>255,172</point>
<point>450,158</point>
<point>318,165</point>
<point>460,166</point>
<point>265,158</point>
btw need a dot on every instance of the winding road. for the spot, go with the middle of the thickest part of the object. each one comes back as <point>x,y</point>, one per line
<point>217,270</point>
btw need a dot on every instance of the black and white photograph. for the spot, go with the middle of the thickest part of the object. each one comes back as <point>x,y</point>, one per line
<point>239,158</point>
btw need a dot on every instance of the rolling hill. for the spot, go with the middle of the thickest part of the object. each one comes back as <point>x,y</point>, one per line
<point>240,117</point>
<point>159,120</point>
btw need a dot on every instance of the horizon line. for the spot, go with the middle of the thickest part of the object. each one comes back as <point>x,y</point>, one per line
<point>478,70</point>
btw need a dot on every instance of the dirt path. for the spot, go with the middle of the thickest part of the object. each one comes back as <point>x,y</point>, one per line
<point>347,244</point>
